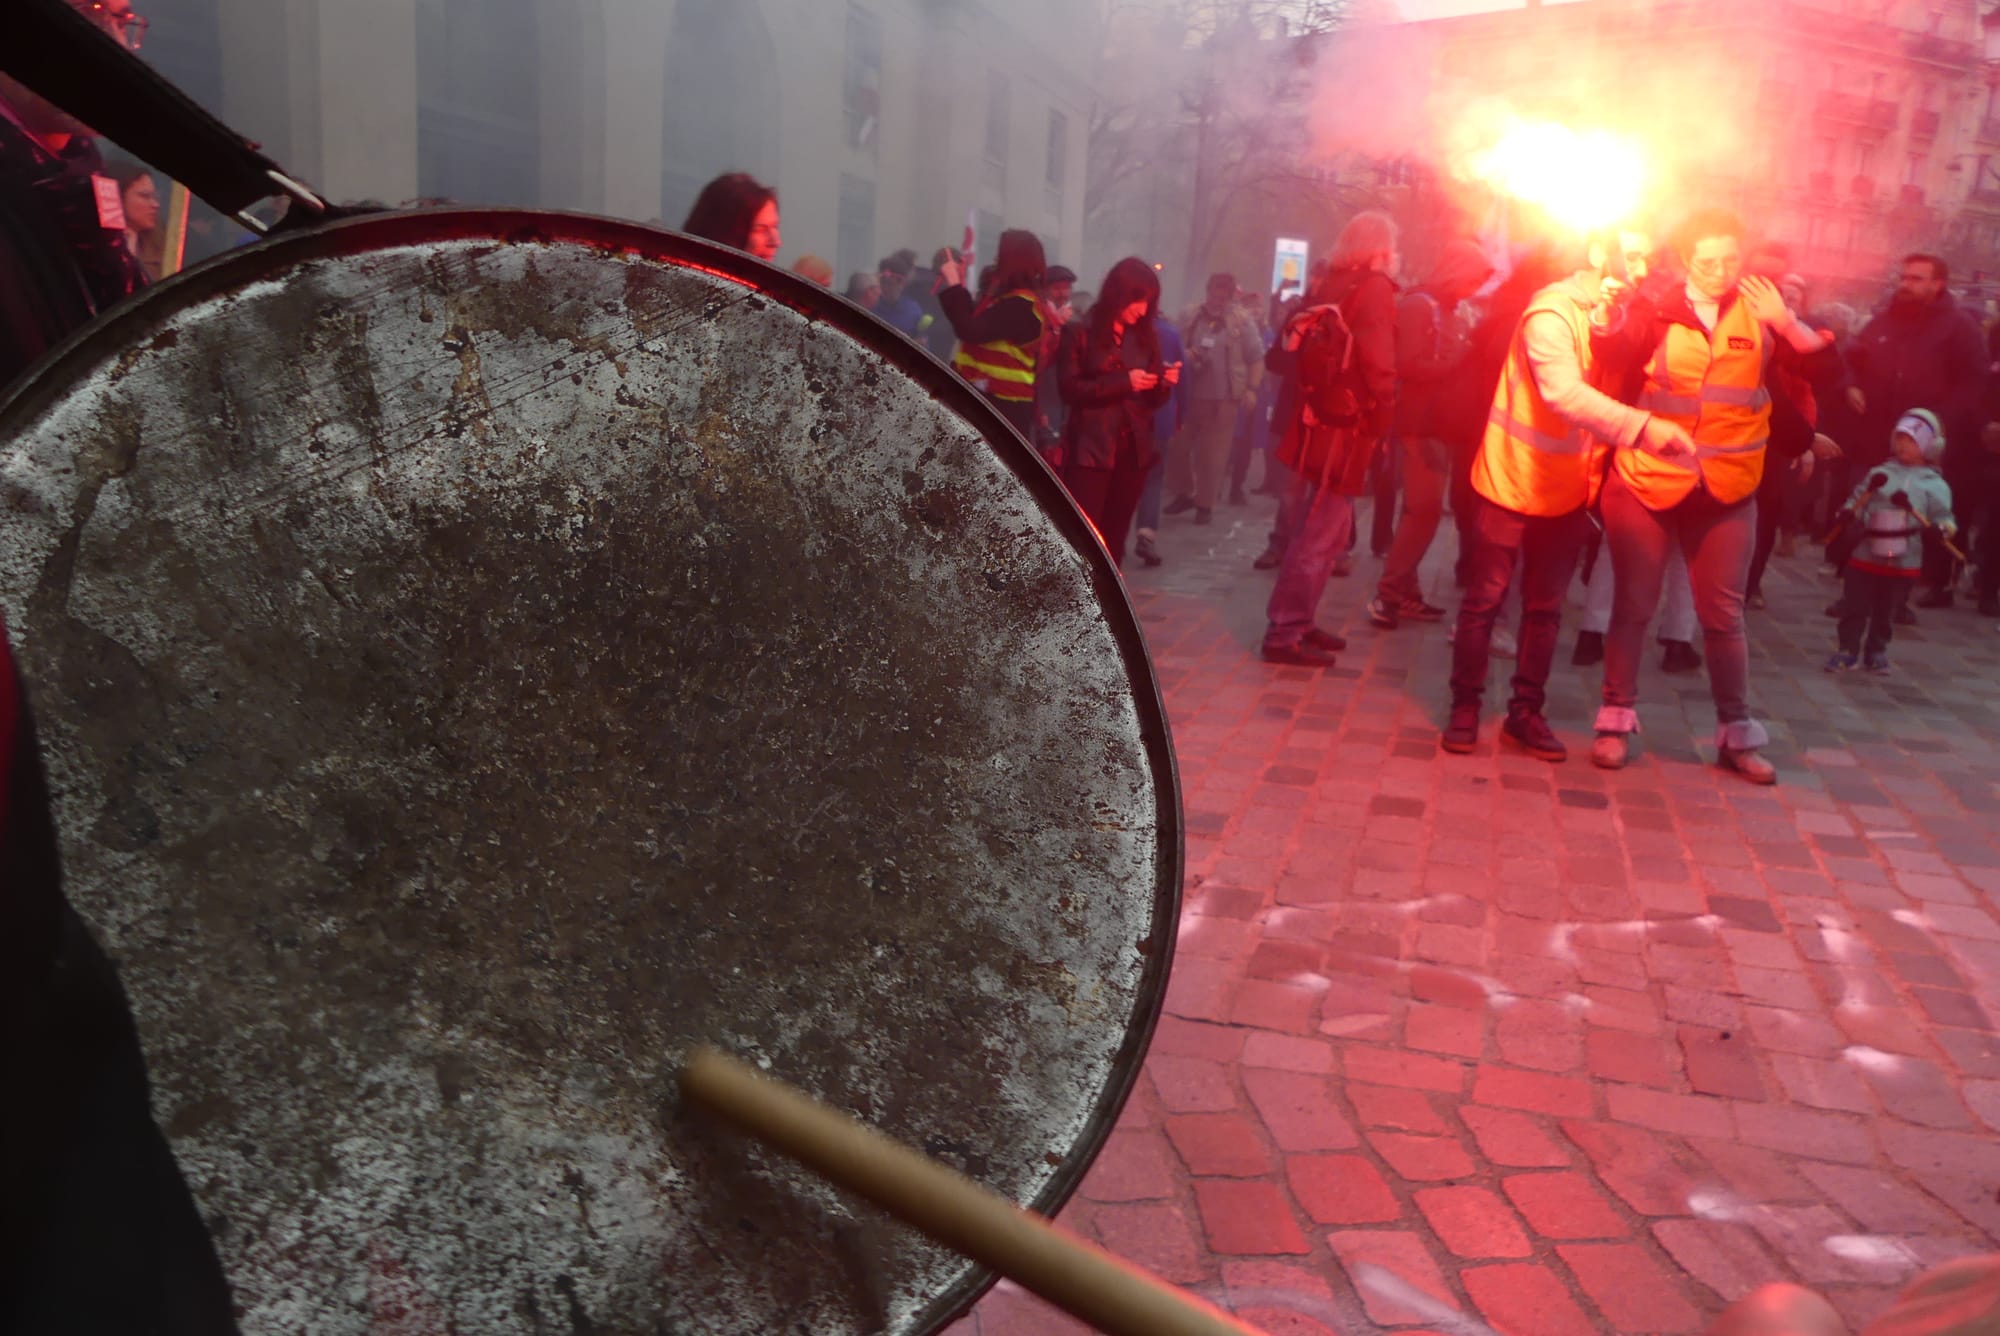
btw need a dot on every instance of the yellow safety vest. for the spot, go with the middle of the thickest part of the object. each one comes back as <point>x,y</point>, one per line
<point>1533,460</point>
<point>1005,371</point>
<point>1713,385</point>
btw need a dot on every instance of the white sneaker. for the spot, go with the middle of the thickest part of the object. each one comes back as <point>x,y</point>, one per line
<point>1504,644</point>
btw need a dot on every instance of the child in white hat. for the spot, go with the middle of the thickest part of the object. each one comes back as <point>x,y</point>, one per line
<point>1889,512</point>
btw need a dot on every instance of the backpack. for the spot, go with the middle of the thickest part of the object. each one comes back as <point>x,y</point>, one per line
<point>1326,380</point>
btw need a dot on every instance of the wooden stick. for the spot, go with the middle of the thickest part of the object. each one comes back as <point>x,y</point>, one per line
<point>1085,1281</point>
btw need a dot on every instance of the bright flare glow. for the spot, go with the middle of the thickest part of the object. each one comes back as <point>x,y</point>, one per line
<point>1582,181</point>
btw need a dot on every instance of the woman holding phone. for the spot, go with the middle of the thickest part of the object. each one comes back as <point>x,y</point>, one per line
<point>1113,379</point>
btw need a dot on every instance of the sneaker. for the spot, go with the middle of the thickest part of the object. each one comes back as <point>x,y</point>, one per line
<point>1876,663</point>
<point>1269,559</point>
<point>1589,649</point>
<point>1383,614</point>
<point>1416,610</point>
<point>1180,505</point>
<point>1147,553</point>
<point>1680,657</point>
<point>1300,655</point>
<point>1325,640</point>
<point>1750,765</point>
<point>1236,497</point>
<point>1504,645</point>
<point>1933,598</point>
<point>1611,751</point>
<point>1535,736</point>
<point>1343,566</point>
<point>1461,731</point>
<point>1842,662</point>
<point>1905,617</point>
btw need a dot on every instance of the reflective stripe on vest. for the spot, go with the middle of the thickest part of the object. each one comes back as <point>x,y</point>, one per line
<point>1004,370</point>
<point>1532,460</point>
<point>1712,383</point>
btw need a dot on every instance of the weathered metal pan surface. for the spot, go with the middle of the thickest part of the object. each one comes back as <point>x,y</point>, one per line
<point>481,654</point>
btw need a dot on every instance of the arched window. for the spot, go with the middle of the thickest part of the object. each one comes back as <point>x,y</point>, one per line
<point>721,101</point>
<point>478,101</point>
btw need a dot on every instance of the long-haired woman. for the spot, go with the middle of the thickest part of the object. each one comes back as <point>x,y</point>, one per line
<point>1113,379</point>
<point>737,210</point>
<point>1000,338</point>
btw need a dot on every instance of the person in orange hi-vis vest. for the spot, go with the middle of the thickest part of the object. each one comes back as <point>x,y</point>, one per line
<point>1707,352</point>
<point>1538,469</point>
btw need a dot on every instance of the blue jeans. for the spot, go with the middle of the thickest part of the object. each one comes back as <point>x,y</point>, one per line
<point>1324,523</point>
<point>1545,549</point>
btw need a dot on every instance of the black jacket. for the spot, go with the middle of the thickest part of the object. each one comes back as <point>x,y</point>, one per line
<point>1110,425</point>
<point>1931,356</point>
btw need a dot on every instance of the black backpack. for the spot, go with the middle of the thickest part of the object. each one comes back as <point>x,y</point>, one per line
<point>1328,386</point>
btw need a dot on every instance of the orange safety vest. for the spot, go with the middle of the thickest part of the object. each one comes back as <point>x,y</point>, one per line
<point>1533,460</point>
<point>1004,370</point>
<point>1713,385</point>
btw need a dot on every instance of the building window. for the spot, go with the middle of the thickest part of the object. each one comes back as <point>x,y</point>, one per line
<point>990,226</point>
<point>861,93</point>
<point>478,102</point>
<point>999,127</point>
<point>1058,172</point>
<point>855,244</point>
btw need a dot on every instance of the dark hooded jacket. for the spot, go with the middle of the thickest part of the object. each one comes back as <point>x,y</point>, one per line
<point>1931,356</point>
<point>1437,382</point>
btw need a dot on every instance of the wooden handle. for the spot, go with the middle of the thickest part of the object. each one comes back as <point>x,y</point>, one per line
<point>1085,1281</point>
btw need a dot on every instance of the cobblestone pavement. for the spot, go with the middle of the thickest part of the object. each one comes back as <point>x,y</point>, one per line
<point>1471,1044</point>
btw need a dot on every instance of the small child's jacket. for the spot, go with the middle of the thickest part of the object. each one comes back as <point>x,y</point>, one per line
<point>1891,538</point>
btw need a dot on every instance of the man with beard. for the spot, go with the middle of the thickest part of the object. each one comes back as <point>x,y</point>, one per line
<point>1924,351</point>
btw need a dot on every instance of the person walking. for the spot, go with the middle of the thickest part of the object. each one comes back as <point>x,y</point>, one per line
<point>1705,352</point>
<point>1432,350</point>
<point>1225,353</point>
<point>1113,380</point>
<point>1339,352</point>
<point>1538,469</point>
<point>1167,424</point>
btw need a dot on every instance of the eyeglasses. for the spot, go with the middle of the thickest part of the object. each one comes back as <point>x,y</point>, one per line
<point>123,24</point>
<point>1726,265</point>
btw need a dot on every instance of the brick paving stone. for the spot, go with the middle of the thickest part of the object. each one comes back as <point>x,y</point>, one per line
<point>1266,1005</point>
<point>1247,1217</point>
<point>1633,1059</point>
<point>1394,1067</point>
<point>1819,1136</point>
<point>1535,1092</point>
<point>1823,1083</point>
<point>1218,1145</point>
<point>1682,1115</point>
<point>1633,1291</point>
<point>1722,1063</point>
<point>1805,1033</point>
<point>1289,1053</point>
<point>1191,1085</point>
<point>1799,1235</point>
<point>1133,1166</point>
<point>1520,1300</point>
<point>1564,1206</point>
<point>1394,1273</point>
<point>1917,1091</point>
<point>1542,1035</point>
<point>1878,1201</point>
<point>1473,1222</point>
<point>1422,1159</point>
<point>1446,1030</point>
<point>1386,1106</point>
<point>1009,1310</point>
<point>1728,1258</point>
<point>1157,1236</point>
<point>1298,1110</point>
<point>1341,1190</point>
<point>1636,1165</point>
<point>1174,1037</point>
<point>1513,1139</point>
